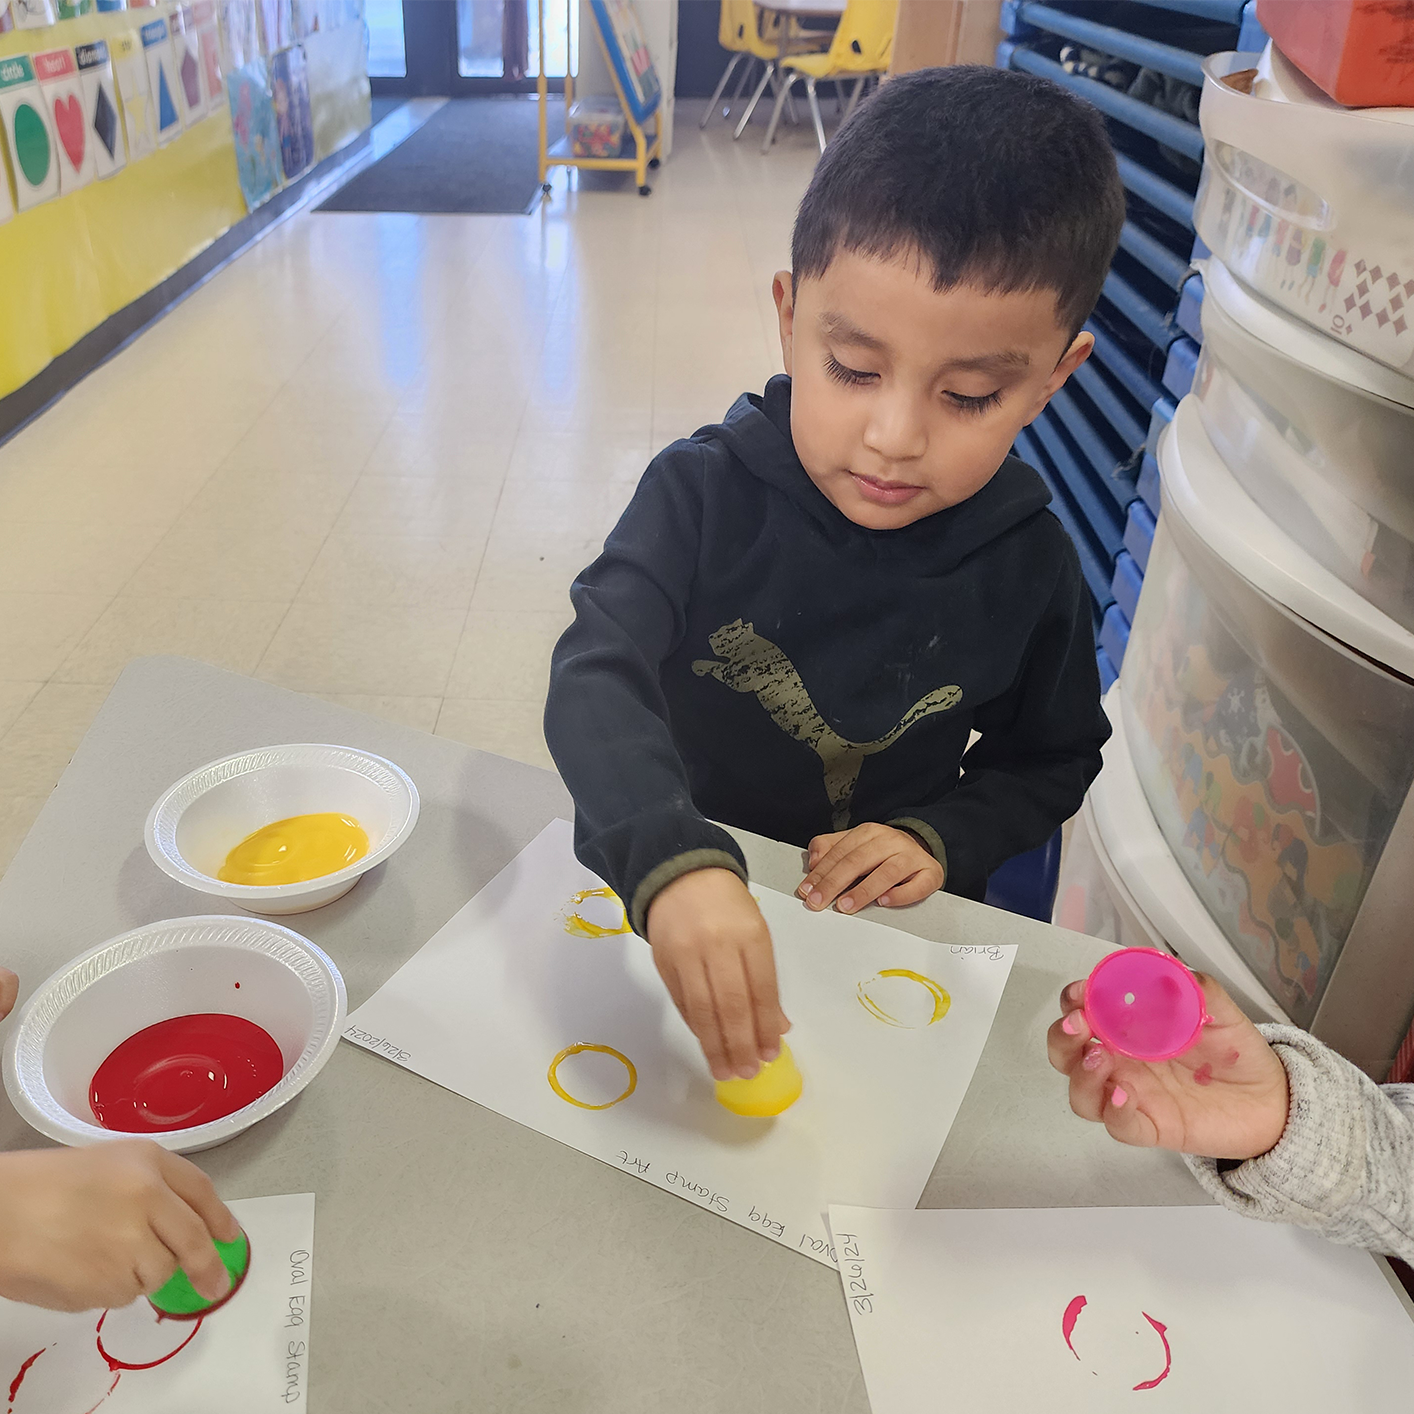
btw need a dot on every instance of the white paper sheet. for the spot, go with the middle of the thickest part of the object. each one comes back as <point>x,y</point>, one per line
<point>970,1310</point>
<point>487,1004</point>
<point>249,1357</point>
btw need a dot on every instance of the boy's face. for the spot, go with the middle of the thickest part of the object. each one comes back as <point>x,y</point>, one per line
<point>904,400</point>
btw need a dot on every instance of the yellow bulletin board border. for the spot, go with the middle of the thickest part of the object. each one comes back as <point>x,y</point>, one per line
<point>87,270</point>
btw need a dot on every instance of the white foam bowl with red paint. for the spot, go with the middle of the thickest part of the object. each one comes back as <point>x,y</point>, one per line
<point>180,967</point>
<point>199,820</point>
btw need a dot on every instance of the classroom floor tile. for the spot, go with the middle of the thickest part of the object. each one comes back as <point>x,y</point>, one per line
<point>366,459</point>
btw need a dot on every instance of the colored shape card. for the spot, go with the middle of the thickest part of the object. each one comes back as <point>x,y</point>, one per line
<point>7,18</point>
<point>289,87</point>
<point>32,14</point>
<point>72,9</point>
<point>256,137</point>
<point>186,59</point>
<point>100,101</point>
<point>1110,1310</point>
<point>162,80</point>
<point>34,159</point>
<point>249,1357</point>
<point>109,5</point>
<point>209,44</point>
<point>130,77</point>
<point>63,95</point>
<point>535,1001</point>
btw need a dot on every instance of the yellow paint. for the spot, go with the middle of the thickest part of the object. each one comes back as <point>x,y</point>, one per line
<point>603,1050</point>
<point>771,1091</point>
<point>293,850</point>
<point>941,1000</point>
<point>580,927</point>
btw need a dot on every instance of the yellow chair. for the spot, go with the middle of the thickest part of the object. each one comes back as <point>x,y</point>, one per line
<point>860,50</point>
<point>739,30</point>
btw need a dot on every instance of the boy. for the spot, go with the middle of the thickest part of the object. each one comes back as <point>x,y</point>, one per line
<point>805,611</point>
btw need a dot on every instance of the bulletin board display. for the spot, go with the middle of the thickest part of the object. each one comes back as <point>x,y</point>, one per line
<point>134,138</point>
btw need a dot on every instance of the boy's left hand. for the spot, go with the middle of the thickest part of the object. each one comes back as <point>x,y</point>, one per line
<point>869,864</point>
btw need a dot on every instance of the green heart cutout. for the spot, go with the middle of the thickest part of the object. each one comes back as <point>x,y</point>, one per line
<point>31,145</point>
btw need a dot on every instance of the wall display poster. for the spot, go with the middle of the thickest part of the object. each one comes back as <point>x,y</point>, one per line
<point>63,97</point>
<point>28,135</point>
<point>277,27</point>
<point>289,87</point>
<point>162,80</point>
<point>100,101</point>
<point>32,14</point>
<point>130,78</point>
<point>256,135</point>
<point>240,34</point>
<point>186,60</point>
<point>335,14</point>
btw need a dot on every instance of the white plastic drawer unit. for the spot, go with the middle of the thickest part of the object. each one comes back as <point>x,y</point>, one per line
<point>1320,436</point>
<point>1276,751</point>
<point>1311,203</point>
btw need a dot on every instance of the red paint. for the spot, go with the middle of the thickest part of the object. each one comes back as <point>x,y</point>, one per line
<point>23,1371</point>
<point>1072,1314</point>
<point>238,986</point>
<point>1232,1057</point>
<point>118,1366</point>
<point>1168,1354</point>
<point>1203,1075</point>
<point>106,1393</point>
<point>187,1071</point>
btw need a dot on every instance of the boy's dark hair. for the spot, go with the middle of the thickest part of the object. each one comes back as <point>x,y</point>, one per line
<point>995,178</point>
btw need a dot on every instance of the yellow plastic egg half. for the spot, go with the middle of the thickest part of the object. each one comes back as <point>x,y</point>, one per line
<point>771,1091</point>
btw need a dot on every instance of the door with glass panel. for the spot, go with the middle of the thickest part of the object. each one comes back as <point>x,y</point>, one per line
<point>462,47</point>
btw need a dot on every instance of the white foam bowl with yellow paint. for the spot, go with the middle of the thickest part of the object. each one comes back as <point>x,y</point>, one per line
<point>200,819</point>
<point>239,966</point>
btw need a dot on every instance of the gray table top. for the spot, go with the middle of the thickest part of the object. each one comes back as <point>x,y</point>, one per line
<point>463,1262</point>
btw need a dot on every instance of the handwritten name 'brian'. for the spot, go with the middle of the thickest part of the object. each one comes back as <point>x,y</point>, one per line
<point>380,1044</point>
<point>856,1288</point>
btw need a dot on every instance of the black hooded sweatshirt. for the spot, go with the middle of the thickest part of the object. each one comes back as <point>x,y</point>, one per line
<point>743,652</point>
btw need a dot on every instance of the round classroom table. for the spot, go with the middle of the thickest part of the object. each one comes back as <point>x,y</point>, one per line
<point>464,1263</point>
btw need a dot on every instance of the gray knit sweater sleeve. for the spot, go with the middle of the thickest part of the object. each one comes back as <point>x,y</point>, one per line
<point>1345,1165</point>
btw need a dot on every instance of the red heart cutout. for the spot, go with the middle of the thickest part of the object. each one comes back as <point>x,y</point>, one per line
<point>68,119</point>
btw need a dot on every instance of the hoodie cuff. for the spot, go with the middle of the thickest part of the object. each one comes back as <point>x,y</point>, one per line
<point>668,872</point>
<point>928,835</point>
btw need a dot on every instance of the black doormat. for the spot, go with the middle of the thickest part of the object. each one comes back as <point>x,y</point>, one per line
<point>472,155</point>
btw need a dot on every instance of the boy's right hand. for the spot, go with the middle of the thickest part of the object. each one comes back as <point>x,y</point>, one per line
<point>713,951</point>
<point>86,1228</point>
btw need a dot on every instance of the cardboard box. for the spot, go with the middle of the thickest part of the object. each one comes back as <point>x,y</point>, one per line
<point>932,33</point>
